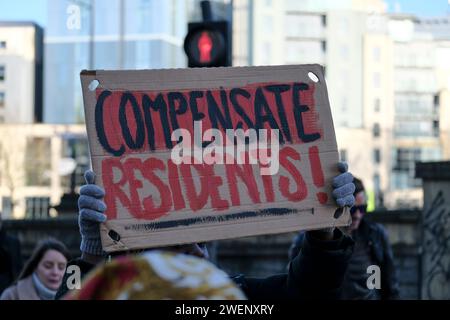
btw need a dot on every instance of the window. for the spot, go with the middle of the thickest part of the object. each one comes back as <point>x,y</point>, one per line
<point>376,130</point>
<point>267,25</point>
<point>376,80</point>
<point>7,207</point>
<point>376,155</point>
<point>405,159</point>
<point>266,54</point>
<point>2,73</point>
<point>344,52</point>
<point>38,162</point>
<point>2,44</point>
<point>344,26</point>
<point>436,100</point>
<point>404,167</point>
<point>2,99</point>
<point>379,201</point>
<point>324,46</point>
<point>344,104</point>
<point>37,207</point>
<point>436,128</point>
<point>343,154</point>
<point>324,20</point>
<point>376,54</point>
<point>377,105</point>
<point>377,182</point>
<point>75,150</point>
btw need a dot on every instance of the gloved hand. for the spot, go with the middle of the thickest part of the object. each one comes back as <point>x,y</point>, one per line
<point>343,187</point>
<point>91,214</point>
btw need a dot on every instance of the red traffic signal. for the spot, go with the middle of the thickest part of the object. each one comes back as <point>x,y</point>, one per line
<point>206,44</point>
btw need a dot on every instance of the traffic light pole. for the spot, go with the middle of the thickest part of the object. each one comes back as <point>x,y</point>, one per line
<point>206,11</point>
<point>208,43</point>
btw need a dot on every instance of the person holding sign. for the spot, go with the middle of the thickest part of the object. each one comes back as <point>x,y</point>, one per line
<point>194,155</point>
<point>372,251</point>
<point>316,272</point>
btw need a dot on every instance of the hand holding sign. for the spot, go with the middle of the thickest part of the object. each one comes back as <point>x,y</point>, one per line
<point>91,207</point>
<point>91,214</point>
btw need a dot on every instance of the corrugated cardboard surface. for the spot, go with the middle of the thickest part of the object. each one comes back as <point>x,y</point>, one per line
<point>205,224</point>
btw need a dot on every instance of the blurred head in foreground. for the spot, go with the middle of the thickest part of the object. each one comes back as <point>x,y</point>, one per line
<point>157,275</point>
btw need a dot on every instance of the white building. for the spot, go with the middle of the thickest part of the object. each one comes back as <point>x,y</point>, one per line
<point>418,111</point>
<point>37,162</point>
<point>21,62</point>
<point>388,80</point>
<point>342,36</point>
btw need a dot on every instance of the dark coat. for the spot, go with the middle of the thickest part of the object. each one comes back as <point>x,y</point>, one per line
<point>10,260</point>
<point>316,273</point>
<point>375,237</point>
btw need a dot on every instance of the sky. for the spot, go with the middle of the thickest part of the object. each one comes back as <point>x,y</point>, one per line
<point>29,10</point>
<point>421,8</point>
<point>36,10</point>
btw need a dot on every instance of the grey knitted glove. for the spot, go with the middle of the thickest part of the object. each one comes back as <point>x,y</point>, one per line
<point>91,214</point>
<point>343,187</point>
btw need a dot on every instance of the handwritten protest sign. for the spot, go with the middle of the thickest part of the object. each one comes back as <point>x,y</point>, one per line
<point>193,155</point>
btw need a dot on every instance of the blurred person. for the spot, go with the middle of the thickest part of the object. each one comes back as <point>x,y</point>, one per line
<point>42,274</point>
<point>157,275</point>
<point>10,258</point>
<point>371,248</point>
<point>316,273</point>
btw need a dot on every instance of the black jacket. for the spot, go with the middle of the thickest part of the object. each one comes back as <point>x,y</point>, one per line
<point>316,273</point>
<point>375,237</point>
<point>10,260</point>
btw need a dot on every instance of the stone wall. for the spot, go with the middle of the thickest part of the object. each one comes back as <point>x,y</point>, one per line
<point>266,255</point>
<point>435,261</point>
<point>253,256</point>
<point>29,232</point>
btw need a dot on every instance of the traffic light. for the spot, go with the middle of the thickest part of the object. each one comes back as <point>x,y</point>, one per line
<point>208,44</point>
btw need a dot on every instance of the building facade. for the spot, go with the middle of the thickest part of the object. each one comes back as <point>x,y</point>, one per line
<point>21,78</point>
<point>111,34</point>
<point>418,107</point>
<point>107,34</point>
<point>38,164</point>
<point>339,36</point>
<point>387,79</point>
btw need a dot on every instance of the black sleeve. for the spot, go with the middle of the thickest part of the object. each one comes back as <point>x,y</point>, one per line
<point>10,260</point>
<point>389,282</point>
<point>316,273</point>
<point>84,267</point>
<point>17,262</point>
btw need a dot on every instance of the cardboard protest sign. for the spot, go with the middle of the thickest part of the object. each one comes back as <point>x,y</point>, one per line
<point>193,155</point>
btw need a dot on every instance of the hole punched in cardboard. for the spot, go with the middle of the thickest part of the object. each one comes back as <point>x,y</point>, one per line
<point>313,77</point>
<point>114,235</point>
<point>338,213</point>
<point>94,85</point>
